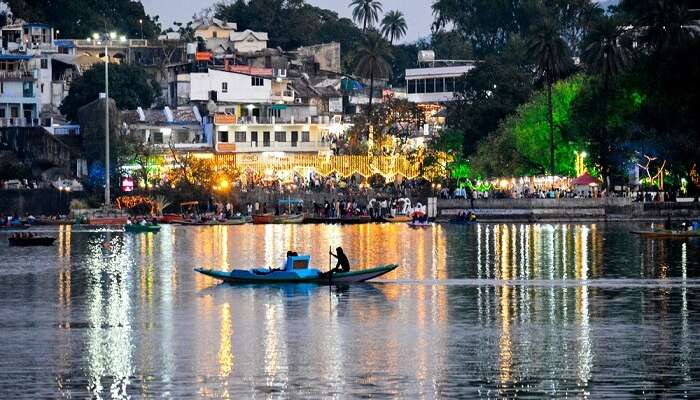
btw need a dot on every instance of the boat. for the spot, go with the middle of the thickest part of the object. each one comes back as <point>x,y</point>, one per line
<point>668,234</point>
<point>138,228</point>
<point>107,220</point>
<point>417,224</point>
<point>289,219</point>
<point>296,270</point>
<point>263,219</point>
<point>27,241</point>
<point>399,218</point>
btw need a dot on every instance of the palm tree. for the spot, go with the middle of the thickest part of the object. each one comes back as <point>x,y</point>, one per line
<point>373,62</point>
<point>606,53</point>
<point>366,11</point>
<point>665,23</point>
<point>551,56</point>
<point>394,26</point>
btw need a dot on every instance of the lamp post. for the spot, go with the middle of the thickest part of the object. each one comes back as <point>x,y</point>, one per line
<point>107,38</point>
<point>141,23</point>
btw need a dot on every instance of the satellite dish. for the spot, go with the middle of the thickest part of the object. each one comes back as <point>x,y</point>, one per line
<point>211,107</point>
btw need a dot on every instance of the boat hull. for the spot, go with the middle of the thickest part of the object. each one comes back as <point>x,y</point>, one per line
<point>135,228</point>
<point>24,242</point>
<point>308,276</point>
<point>668,234</point>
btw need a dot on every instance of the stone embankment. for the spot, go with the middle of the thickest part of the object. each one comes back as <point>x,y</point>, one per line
<point>553,210</point>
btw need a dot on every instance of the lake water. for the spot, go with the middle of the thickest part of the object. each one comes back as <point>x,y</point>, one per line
<point>526,310</point>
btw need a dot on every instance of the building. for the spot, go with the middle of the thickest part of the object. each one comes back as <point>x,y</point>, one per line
<point>182,129</point>
<point>215,33</point>
<point>435,81</point>
<point>34,78</point>
<point>249,41</point>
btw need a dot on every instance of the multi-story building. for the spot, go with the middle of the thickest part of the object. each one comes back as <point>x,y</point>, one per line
<point>435,81</point>
<point>33,80</point>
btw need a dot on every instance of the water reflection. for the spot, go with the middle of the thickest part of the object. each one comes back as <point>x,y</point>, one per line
<point>492,310</point>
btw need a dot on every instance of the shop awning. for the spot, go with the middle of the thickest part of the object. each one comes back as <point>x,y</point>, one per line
<point>279,107</point>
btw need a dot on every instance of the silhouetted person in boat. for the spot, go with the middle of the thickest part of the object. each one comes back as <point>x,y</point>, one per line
<point>343,263</point>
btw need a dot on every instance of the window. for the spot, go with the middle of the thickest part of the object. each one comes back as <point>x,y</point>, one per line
<point>254,139</point>
<point>430,85</point>
<point>257,81</point>
<point>2,87</point>
<point>240,137</point>
<point>439,85</point>
<point>157,137</point>
<point>280,136</point>
<point>223,136</point>
<point>42,88</point>
<point>27,89</point>
<point>420,86</point>
<point>266,139</point>
<point>305,137</point>
<point>274,113</point>
<point>450,84</point>
<point>295,138</point>
<point>44,63</point>
<point>214,34</point>
<point>224,87</point>
<point>2,112</point>
<point>411,86</point>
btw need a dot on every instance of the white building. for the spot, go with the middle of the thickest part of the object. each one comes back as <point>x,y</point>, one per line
<point>229,87</point>
<point>435,81</point>
<point>34,79</point>
<point>249,41</point>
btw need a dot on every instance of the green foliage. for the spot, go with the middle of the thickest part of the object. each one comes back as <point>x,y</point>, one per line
<point>366,12</point>
<point>394,26</point>
<point>128,86</point>
<point>80,18</point>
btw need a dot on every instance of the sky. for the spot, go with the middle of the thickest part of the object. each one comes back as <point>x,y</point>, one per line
<point>418,12</point>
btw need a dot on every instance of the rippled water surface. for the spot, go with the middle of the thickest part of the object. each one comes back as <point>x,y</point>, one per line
<point>487,310</point>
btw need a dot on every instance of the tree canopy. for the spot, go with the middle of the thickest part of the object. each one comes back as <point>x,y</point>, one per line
<point>128,86</point>
<point>81,18</point>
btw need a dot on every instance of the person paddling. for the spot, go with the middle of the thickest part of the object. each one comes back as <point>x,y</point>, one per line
<point>343,263</point>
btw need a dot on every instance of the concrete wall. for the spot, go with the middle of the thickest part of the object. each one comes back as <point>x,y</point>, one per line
<point>607,209</point>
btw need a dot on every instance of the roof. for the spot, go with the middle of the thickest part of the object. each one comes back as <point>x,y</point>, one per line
<point>206,22</point>
<point>183,115</point>
<point>240,36</point>
<point>586,180</point>
<point>15,57</point>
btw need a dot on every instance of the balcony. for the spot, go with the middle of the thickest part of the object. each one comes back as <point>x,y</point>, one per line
<point>19,122</point>
<point>260,146</point>
<point>283,95</point>
<point>16,75</point>
<point>318,119</point>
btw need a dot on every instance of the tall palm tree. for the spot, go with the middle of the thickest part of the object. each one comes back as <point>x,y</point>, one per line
<point>551,57</point>
<point>665,23</point>
<point>366,11</point>
<point>606,53</point>
<point>373,62</point>
<point>394,26</point>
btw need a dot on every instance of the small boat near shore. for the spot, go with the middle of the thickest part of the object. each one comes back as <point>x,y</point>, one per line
<point>418,225</point>
<point>32,240</point>
<point>138,228</point>
<point>668,234</point>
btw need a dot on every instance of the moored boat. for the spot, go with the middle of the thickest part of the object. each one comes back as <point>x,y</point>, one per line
<point>296,270</point>
<point>138,228</point>
<point>668,234</point>
<point>26,241</point>
<point>289,219</point>
<point>417,224</point>
<point>263,219</point>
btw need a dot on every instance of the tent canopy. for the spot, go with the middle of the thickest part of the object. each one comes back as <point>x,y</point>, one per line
<point>586,180</point>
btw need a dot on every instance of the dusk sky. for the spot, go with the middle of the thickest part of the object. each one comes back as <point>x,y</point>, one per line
<point>418,12</point>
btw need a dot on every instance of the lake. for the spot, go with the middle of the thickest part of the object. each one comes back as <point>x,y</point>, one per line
<point>490,310</point>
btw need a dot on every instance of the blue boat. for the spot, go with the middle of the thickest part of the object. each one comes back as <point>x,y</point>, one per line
<point>296,270</point>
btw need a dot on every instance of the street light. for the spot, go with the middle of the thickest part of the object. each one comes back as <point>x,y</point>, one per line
<point>107,38</point>
<point>141,23</point>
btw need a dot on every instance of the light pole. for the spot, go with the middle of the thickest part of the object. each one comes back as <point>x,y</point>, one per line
<point>141,23</point>
<point>106,38</point>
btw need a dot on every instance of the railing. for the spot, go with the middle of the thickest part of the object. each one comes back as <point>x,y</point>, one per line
<point>319,119</point>
<point>16,74</point>
<point>19,122</point>
<point>260,146</point>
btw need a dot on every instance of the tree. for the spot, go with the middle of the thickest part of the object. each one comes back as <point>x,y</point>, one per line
<point>491,91</point>
<point>79,18</point>
<point>607,55</point>
<point>662,24</point>
<point>366,11</point>
<point>372,62</point>
<point>550,54</point>
<point>394,26</point>
<point>128,86</point>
